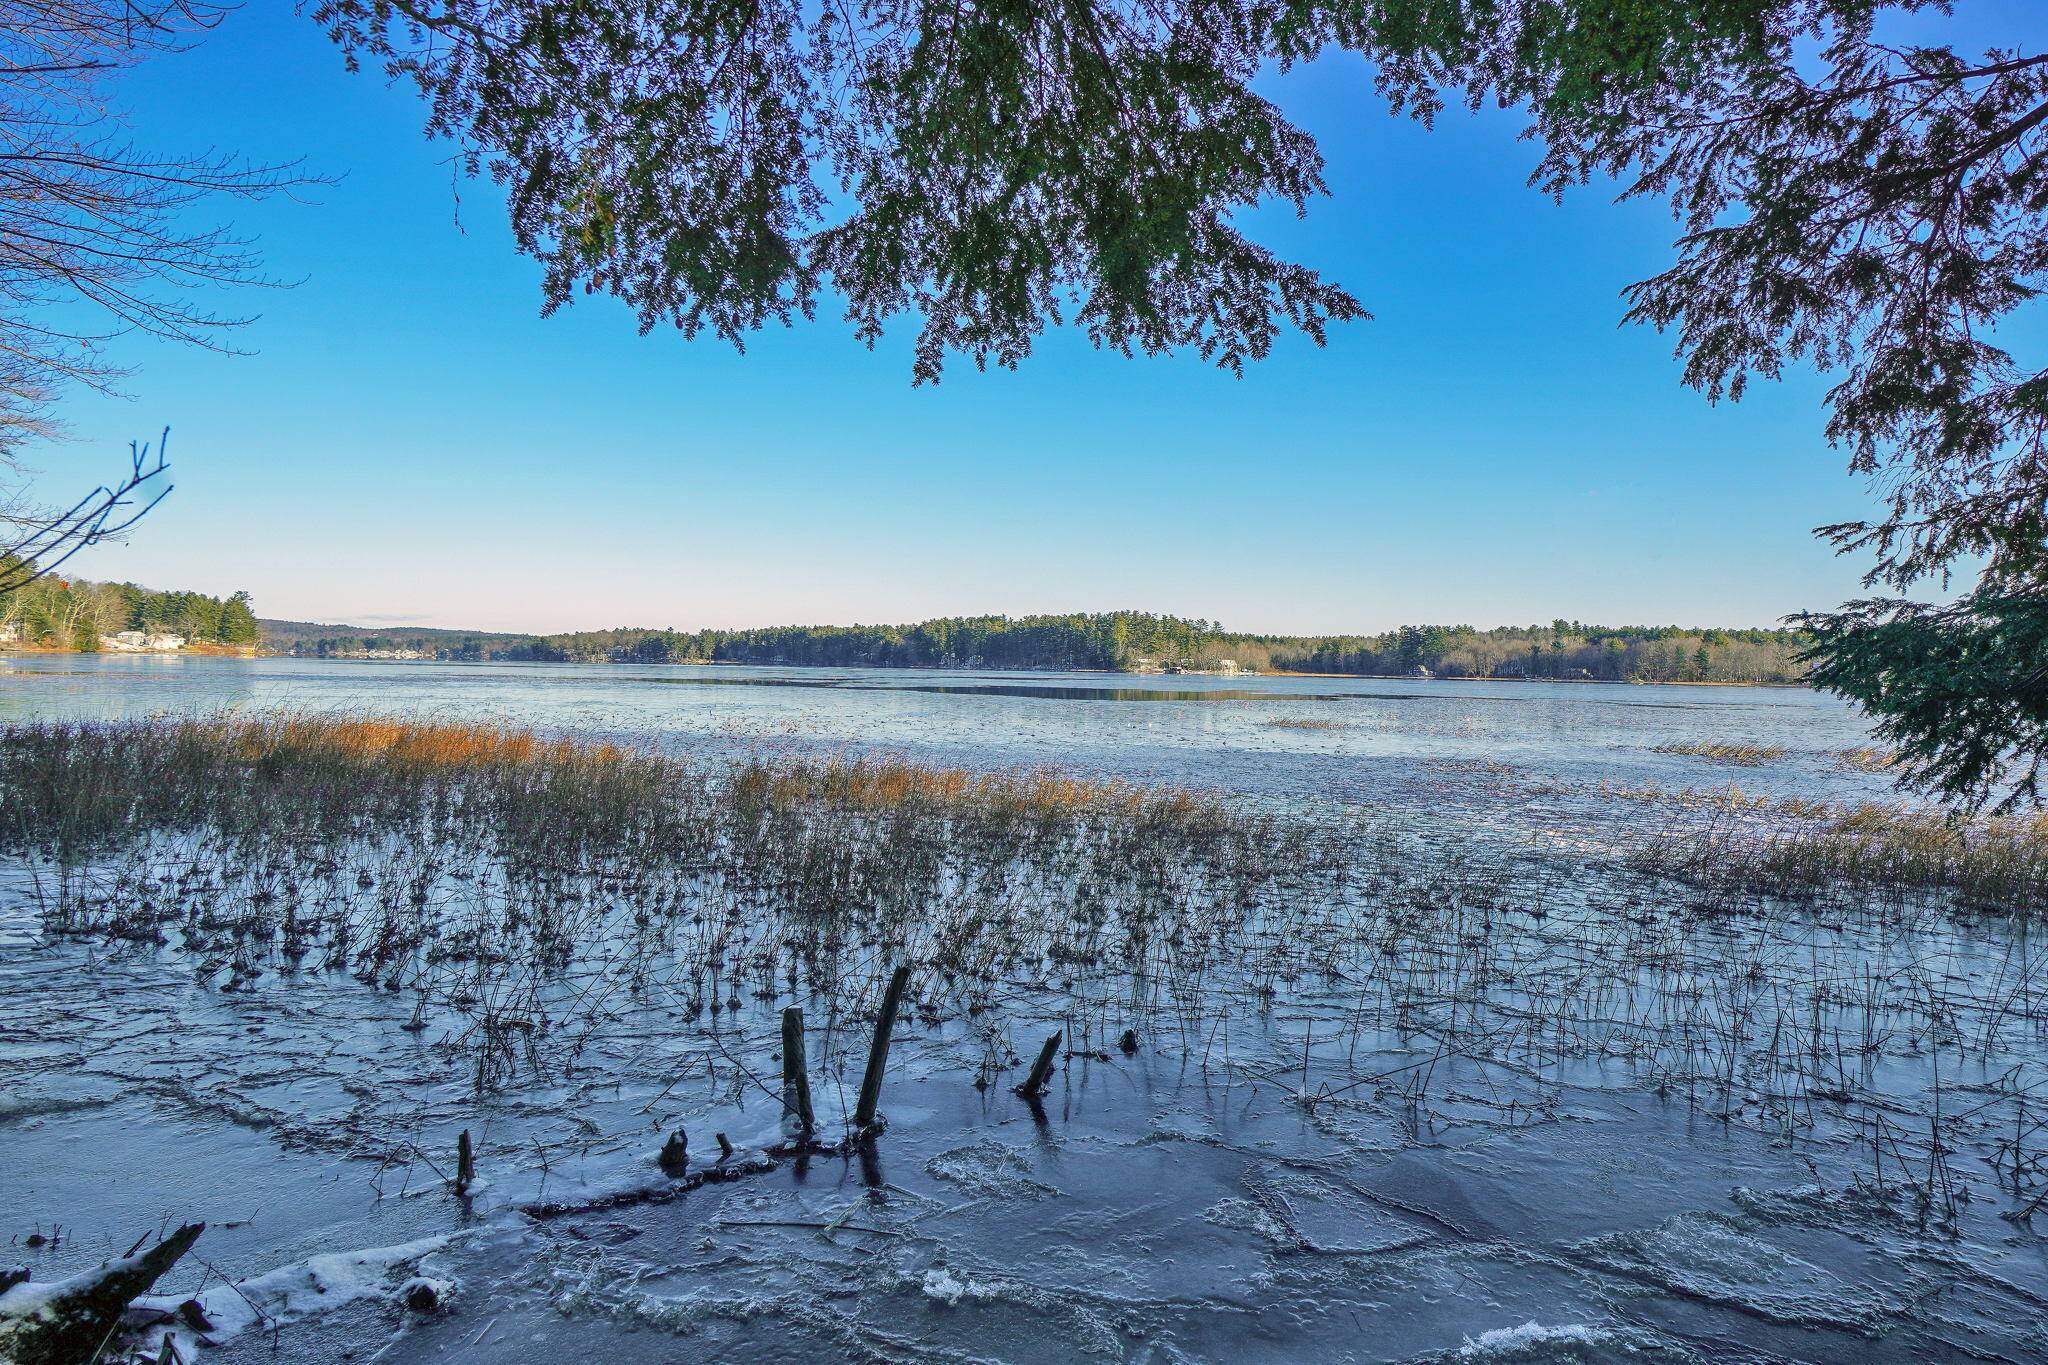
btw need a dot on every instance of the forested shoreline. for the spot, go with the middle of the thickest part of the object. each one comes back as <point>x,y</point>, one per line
<point>1124,641</point>
<point>73,613</point>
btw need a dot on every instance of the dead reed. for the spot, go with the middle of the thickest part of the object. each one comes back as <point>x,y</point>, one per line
<point>1745,755</point>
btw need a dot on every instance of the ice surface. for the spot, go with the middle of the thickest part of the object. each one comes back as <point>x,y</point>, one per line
<point>1472,1134</point>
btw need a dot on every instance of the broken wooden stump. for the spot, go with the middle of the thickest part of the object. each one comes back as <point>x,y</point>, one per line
<point>465,1164</point>
<point>796,1081</point>
<point>67,1322</point>
<point>675,1153</point>
<point>1040,1079</point>
<point>878,1052</point>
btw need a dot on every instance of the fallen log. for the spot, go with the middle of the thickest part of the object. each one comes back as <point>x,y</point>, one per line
<point>70,1322</point>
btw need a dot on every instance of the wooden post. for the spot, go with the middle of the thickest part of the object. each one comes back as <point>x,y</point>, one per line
<point>465,1164</point>
<point>1041,1070</point>
<point>796,1082</point>
<point>878,1051</point>
<point>675,1153</point>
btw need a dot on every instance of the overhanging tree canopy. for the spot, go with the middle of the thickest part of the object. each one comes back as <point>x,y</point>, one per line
<point>1002,163</point>
<point>990,167</point>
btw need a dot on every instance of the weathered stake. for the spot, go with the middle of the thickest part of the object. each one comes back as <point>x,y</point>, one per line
<point>796,1082</point>
<point>675,1153</point>
<point>465,1164</point>
<point>1041,1070</point>
<point>878,1052</point>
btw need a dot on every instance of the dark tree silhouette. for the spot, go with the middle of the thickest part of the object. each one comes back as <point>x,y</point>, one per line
<point>97,241</point>
<point>35,543</point>
<point>987,168</point>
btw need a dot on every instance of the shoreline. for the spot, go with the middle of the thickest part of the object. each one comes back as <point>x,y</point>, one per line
<point>211,651</point>
<point>253,652</point>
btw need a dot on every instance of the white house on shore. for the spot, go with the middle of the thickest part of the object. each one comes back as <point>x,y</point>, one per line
<point>142,642</point>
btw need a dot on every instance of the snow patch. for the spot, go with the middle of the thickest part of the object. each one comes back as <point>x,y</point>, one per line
<point>1532,1340</point>
<point>942,1285</point>
<point>305,1289</point>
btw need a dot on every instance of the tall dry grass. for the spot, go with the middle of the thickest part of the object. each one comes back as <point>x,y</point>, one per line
<point>1894,853</point>
<point>1743,755</point>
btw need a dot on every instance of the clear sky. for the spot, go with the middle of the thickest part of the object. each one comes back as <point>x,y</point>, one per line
<point>409,441</point>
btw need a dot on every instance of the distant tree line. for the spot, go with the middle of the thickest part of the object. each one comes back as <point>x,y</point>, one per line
<point>1102,640</point>
<point>1569,650</point>
<point>72,613</point>
<point>1126,640</point>
<point>313,639</point>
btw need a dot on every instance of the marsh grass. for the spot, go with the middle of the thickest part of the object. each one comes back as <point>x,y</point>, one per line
<point>496,874</point>
<point>538,902</point>
<point>1304,723</point>
<point>1889,852</point>
<point>1743,755</point>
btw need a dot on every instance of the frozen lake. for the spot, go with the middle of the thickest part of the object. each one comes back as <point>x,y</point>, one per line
<point>1543,1110</point>
<point>1384,741</point>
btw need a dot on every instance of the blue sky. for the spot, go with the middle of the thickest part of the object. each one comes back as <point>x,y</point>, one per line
<point>410,441</point>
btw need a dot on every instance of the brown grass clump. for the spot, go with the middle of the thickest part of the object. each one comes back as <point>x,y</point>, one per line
<point>1867,760</point>
<point>423,743</point>
<point>1304,723</point>
<point>880,783</point>
<point>1747,755</point>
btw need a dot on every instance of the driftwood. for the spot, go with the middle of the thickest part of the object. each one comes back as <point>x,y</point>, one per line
<point>465,1163</point>
<point>696,1177</point>
<point>878,1052</point>
<point>1040,1078</point>
<point>796,1081</point>
<point>71,1321</point>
